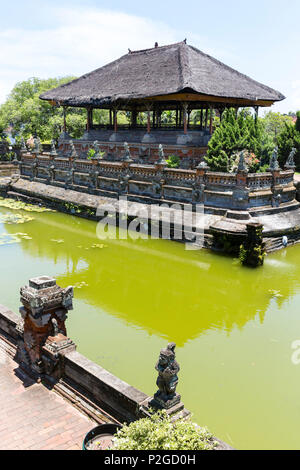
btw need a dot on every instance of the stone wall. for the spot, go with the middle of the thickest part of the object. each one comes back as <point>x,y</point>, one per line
<point>190,153</point>
<point>155,182</point>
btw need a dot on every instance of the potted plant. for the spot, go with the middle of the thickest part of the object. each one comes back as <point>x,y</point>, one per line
<point>100,437</point>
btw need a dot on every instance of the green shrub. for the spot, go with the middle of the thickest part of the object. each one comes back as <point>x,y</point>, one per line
<point>235,133</point>
<point>173,161</point>
<point>91,153</point>
<point>159,433</point>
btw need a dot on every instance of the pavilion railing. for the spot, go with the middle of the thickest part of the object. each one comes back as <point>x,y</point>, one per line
<point>239,190</point>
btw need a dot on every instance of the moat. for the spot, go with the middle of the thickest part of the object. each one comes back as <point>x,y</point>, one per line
<point>233,326</point>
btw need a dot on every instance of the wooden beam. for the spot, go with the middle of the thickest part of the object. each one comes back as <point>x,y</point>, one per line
<point>209,98</point>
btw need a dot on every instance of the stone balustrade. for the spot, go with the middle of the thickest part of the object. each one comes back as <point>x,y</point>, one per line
<point>152,182</point>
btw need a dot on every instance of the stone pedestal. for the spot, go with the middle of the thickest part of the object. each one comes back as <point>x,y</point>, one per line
<point>148,138</point>
<point>44,312</point>
<point>166,402</point>
<point>175,408</point>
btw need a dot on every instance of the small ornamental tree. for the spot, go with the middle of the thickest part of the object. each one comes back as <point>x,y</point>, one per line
<point>235,133</point>
<point>287,139</point>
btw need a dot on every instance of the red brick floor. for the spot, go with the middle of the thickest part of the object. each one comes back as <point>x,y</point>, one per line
<point>33,417</point>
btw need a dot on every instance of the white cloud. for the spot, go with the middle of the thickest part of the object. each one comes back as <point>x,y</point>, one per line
<point>80,41</point>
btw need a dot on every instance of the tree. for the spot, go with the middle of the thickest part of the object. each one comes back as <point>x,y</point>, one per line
<point>287,139</point>
<point>235,133</point>
<point>274,123</point>
<point>26,114</point>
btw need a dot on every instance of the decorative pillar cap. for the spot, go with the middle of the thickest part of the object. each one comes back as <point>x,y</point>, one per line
<point>202,166</point>
<point>43,295</point>
<point>42,282</point>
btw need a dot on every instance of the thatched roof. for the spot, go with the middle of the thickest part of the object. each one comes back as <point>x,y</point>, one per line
<point>177,68</point>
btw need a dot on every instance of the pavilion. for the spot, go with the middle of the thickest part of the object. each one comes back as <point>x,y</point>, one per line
<point>176,77</point>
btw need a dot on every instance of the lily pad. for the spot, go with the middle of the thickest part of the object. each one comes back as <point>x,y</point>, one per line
<point>19,205</point>
<point>79,285</point>
<point>15,218</point>
<point>57,241</point>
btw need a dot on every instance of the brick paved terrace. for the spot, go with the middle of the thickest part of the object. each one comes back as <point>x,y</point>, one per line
<point>33,417</point>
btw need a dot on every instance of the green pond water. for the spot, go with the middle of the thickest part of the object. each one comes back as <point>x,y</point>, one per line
<point>233,326</point>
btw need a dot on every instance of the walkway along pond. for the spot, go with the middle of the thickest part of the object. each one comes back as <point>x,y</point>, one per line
<point>233,326</point>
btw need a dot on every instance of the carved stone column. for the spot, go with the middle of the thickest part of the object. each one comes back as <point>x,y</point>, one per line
<point>42,330</point>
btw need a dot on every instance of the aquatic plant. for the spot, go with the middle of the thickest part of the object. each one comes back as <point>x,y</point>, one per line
<point>19,205</point>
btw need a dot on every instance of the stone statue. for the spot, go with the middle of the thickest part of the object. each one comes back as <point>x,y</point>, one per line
<point>242,167</point>
<point>97,150</point>
<point>36,148</point>
<point>127,156</point>
<point>56,330</point>
<point>290,163</point>
<point>51,174</point>
<point>161,156</point>
<point>274,166</point>
<point>198,192</point>
<point>53,152</point>
<point>167,368</point>
<point>69,177</point>
<point>40,145</point>
<point>123,183</point>
<point>23,145</point>
<point>73,150</point>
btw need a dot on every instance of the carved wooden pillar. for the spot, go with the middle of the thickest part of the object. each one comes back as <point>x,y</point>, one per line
<point>88,121</point>
<point>256,108</point>
<point>201,119</point>
<point>210,120</point>
<point>185,108</point>
<point>65,122</point>
<point>133,118</point>
<point>206,117</point>
<point>115,120</point>
<point>148,121</point>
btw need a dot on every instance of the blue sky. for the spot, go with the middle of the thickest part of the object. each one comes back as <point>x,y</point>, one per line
<point>57,38</point>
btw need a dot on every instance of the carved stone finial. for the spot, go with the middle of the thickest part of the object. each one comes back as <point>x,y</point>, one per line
<point>290,163</point>
<point>242,167</point>
<point>274,166</point>
<point>167,368</point>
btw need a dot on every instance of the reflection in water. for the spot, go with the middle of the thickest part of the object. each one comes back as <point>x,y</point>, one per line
<point>157,285</point>
<point>233,326</point>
